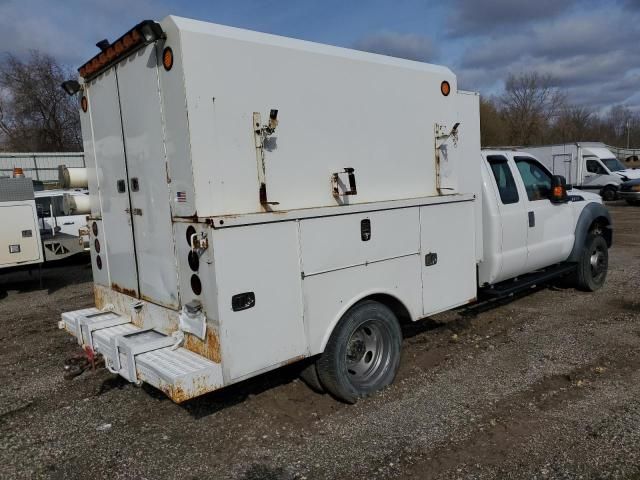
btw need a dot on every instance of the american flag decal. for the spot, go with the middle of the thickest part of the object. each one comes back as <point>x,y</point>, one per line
<point>181,197</point>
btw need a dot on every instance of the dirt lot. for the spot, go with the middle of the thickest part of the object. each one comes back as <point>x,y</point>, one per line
<point>547,386</point>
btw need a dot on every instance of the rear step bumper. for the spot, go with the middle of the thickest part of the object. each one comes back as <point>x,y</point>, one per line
<point>143,355</point>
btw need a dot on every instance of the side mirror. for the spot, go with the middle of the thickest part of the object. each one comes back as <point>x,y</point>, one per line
<point>559,189</point>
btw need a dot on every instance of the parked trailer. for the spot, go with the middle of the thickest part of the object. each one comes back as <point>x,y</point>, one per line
<point>256,200</point>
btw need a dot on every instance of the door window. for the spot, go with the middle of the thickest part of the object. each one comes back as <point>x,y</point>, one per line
<point>504,179</point>
<point>536,179</point>
<point>594,166</point>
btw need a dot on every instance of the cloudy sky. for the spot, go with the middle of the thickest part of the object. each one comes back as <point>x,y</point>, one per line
<point>591,48</point>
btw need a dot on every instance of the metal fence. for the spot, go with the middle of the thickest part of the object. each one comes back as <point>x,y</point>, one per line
<point>38,165</point>
<point>629,156</point>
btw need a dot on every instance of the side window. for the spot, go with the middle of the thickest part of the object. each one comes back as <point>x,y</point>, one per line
<point>594,167</point>
<point>504,179</point>
<point>536,179</point>
<point>43,206</point>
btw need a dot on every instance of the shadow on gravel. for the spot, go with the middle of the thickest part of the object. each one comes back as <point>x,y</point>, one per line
<point>263,472</point>
<point>219,400</point>
<point>52,276</point>
<point>115,382</point>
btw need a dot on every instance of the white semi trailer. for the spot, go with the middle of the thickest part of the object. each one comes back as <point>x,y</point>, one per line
<point>258,200</point>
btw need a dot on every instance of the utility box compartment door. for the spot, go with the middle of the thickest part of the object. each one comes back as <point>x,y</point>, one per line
<point>20,241</point>
<point>259,262</point>
<point>336,242</point>
<point>113,182</point>
<point>447,242</point>
<point>147,177</point>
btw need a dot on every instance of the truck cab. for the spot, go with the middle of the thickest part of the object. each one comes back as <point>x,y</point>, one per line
<point>524,228</point>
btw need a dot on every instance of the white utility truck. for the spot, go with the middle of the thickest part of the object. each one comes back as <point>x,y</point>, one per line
<point>587,165</point>
<point>257,200</point>
<point>20,242</point>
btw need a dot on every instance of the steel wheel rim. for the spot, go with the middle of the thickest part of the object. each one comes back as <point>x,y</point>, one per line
<point>367,354</point>
<point>597,262</point>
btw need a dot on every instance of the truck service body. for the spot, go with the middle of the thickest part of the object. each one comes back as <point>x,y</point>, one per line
<point>20,242</point>
<point>587,165</point>
<point>257,200</point>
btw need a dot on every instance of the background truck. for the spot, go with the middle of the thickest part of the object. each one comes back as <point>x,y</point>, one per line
<point>20,242</point>
<point>587,165</point>
<point>35,226</point>
<point>258,200</point>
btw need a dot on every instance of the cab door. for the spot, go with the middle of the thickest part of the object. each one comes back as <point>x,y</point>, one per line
<point>595,175</point>
<point>513,218</point>
<point>550,226</point>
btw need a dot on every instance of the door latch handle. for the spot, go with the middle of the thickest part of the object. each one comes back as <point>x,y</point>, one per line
<point>134,211</point>
<point>532,219</point>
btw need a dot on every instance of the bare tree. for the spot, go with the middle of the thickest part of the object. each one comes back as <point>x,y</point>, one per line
<point>493,130</point>
<point>529,104</point>
<point>35,113</point>
<point>574,123</point>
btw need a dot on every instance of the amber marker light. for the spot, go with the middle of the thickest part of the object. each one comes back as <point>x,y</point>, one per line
<point>167,58</point>
<point>445,88</point>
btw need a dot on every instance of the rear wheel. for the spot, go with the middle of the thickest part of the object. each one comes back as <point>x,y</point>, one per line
<point>363,352</point>
<point>608,194</point>
<point>593,264</point>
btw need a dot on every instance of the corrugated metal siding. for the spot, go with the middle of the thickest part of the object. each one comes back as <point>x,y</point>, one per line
<point>38,165</point>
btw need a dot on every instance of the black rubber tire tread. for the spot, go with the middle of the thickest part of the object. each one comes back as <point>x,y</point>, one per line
<point>331,365</point>
<point>608,194</point>
<point>583,278</point>
<point>310,376</point>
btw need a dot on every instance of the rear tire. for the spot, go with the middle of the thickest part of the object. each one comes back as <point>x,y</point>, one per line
<point>362,355</point>
<point>593,264</point>
<point>608,194</point>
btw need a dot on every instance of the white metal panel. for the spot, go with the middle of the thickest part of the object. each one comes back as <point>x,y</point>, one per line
<point>262,259</point>
<point>513,220</point>
<point>100,275</point>
<point>176,122</point>
<point>331,116</point>
<point>448,231</point>
<point>145,157</point>
<point>19,227</point>
<point>90,161</point>
<point>328,296</point>
<point>330,243</point>
<point>469,171</point>
<point>551,237</point>
<point>111,168</point>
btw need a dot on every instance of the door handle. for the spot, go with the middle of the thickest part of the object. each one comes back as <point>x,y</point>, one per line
<point>532,219</point>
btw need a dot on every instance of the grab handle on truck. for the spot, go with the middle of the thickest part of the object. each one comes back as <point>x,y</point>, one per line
<point>351,177</point>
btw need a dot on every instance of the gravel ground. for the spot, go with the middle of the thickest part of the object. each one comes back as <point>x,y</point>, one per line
<point>546,386</point>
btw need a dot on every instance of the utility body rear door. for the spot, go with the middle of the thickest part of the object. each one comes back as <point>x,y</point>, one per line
<point>130,156</point>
